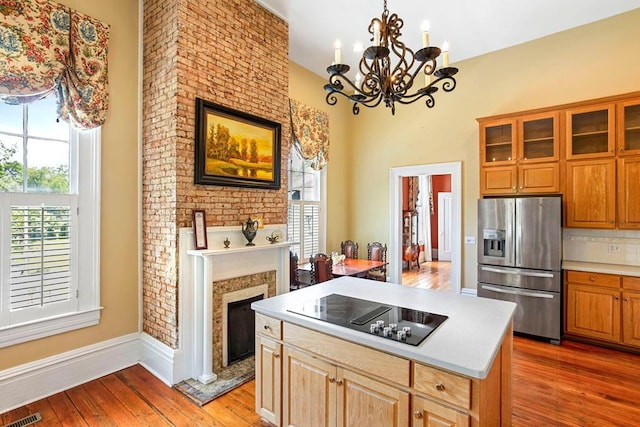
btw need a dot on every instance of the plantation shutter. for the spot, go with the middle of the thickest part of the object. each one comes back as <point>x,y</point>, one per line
<point>294,229</point>
<point>311,226</point>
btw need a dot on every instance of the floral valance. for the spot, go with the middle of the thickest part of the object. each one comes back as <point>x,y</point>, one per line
<point>46,48</point>
<point>310,129</point>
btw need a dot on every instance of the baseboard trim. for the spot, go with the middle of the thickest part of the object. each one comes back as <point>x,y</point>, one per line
<point>469,292</point>
<point>36,380</point>
<point>159,359</point>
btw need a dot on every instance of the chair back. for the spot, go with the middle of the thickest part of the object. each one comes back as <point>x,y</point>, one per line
<point>321,266</point>
<point>376,251</point>
<point>294,279</point>
<point>349,249</point>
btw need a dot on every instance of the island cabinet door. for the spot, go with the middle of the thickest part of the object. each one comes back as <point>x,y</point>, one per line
<point>363,401</point>
<point>268,379</point>
<point>309,391</point>
<point>427,413</point>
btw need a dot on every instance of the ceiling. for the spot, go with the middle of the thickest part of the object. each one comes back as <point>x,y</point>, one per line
<point>471,27</point>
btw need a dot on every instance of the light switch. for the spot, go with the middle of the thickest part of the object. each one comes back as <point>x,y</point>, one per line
<point>469,240</point>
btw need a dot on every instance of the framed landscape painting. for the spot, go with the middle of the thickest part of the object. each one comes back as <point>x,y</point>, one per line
<point>235,148</point>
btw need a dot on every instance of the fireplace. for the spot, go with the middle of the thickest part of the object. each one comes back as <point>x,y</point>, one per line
<point>241,329</point>
<point>219,277</point>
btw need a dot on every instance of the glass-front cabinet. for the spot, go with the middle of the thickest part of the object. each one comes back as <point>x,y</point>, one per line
<point>629,127</point>
<point>590,131</point>
<point>538,135</point>
<point>498,142</point>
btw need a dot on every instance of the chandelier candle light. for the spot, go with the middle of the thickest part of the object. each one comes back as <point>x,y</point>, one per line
<point>379,79</point>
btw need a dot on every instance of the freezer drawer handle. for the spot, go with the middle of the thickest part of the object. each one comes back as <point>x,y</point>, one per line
<point>516,292</point>
<point>519,273</point>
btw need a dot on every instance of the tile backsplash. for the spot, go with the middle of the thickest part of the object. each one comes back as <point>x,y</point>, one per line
<point>601,246</point>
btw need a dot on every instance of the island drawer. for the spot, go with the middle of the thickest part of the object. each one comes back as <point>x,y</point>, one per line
<point>598,279</point>
<point>268,326</point>
<point>446,386</point>
<point>344,353</point>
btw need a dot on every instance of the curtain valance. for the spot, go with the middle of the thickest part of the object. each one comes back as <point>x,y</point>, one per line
<point>310,129</point>
<point>45,48</point>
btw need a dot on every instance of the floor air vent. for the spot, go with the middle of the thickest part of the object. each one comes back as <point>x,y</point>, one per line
<point>26,421</point>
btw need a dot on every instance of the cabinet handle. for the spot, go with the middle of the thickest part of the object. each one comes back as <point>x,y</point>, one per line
<point>440,387</point>
<point>417,414</point>
<point>339,382</point>
<point>612,151</point>
<point>616,298</point>
<point>332,380</point>
<point>276,355</point>
<point>592,279</point>
<point>267,327</point>
<point>621,149</point>
<point>626,299</point>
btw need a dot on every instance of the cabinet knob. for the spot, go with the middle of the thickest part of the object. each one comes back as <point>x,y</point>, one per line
<point>417,414</point>
<point>612,151</point>
<point>626,299</point>
<point>267,327</point>
<point>339,382</point>
<point>440,387</point>
<point>616,298</point>
<point>332,380</point>
<point>621,149</point>
<point>592,279</point>
<point>276,355</point>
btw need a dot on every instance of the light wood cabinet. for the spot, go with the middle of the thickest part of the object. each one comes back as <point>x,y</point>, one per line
<point>319,393</point>
<point>604,307</point>
<point>629,192</point>
<point>591,131</point>
<point>520,155</point>
<point>628,113</point>
<point>590,194</point>
<point>427,413</point>
<point>326,381</point>
<point>268,379</point>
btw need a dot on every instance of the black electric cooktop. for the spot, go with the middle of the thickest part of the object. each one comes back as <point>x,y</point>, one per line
<point>387,321</point>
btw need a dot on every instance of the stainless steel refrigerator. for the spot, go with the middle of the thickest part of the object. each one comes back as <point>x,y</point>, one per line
<point>520,259</point>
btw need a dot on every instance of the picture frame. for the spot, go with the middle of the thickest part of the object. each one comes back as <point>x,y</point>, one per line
<point>235,149</point>
<point>199,228</point>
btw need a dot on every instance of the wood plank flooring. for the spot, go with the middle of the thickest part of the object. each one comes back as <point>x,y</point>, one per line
<point>573,384</point>
<point>430,275</point>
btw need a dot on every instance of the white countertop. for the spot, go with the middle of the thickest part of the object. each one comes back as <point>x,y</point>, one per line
<point>466,343</point>
<point>594,267</point>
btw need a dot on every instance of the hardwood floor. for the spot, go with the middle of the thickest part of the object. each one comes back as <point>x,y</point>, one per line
<point>573,384</point>
<point>430,275</point>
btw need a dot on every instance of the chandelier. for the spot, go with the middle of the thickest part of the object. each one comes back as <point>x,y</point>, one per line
<point>389,71</point>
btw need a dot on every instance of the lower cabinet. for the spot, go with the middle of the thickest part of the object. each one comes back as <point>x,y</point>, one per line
<point>308,379</point>
<point>605,307</point>
<point>427,413</point>
<point>318,393</point>
<point>268,379</point>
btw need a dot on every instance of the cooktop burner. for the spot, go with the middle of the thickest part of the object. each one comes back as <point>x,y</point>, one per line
<point>387,321</point>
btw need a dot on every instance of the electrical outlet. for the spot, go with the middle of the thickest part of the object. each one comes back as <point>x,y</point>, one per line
<point>613,247</point>
<point>469,240</point>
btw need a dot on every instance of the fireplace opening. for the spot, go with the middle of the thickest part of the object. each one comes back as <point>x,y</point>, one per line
<point>241,325</point>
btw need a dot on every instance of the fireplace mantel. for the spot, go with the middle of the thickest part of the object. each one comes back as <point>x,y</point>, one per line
<point>220,263</point>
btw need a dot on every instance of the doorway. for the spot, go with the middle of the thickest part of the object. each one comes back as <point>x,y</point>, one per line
<point>453,205</point>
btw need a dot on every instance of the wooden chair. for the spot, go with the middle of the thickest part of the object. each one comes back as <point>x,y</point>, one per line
<point>376,251</point>
<point>321,266</point>
<point>294,278</point>
<point>349,249</point>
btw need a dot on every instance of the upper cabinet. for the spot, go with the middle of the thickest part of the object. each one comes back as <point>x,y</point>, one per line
<point>629,127</point>
<point>591,131</point>
<point>520,155</point>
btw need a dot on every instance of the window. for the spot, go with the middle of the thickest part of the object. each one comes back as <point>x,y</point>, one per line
<point>49,222</point>
<point>305,223</point>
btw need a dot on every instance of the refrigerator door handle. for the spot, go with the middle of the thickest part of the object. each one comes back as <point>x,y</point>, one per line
<point>517,292</point>
<point>518,273</point>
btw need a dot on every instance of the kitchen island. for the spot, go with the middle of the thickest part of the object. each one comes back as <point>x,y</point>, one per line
<point>310,372</point>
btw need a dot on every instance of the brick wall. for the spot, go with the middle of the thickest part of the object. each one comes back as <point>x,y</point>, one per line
<point>230,52</point>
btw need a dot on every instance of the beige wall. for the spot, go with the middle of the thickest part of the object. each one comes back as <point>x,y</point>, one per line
<point>592,61</point>
<point>119,204</point>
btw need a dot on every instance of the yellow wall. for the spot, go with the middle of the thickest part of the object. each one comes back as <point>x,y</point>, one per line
<point>119,204</point>
<point>592,61</point>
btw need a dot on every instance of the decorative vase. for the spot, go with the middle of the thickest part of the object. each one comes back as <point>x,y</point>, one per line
<point>250,229</point>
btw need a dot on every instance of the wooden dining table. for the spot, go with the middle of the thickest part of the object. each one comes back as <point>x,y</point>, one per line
<point>349,267</point>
